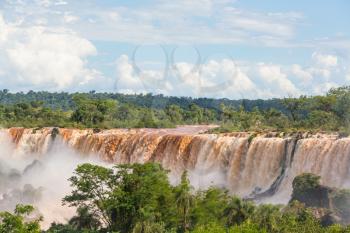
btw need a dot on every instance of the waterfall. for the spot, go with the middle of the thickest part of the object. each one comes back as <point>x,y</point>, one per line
<point>260,167</point>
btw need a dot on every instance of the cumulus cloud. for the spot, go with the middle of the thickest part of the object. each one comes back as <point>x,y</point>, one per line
<point>322,88</point>
<point>43,46</point>
<point>348,77</point>
<point>39,58</point>
<point>277,80</point>
<point>131,79</point>
<point>228,78</point>
<point>215,78</point>
<point>303,75</point>
<point>323,73</point>
<point>326,60</point>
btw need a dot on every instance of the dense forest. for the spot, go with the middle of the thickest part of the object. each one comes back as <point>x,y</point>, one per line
<point>328,112</point>
<point>139,198</point>
<point>64,100</point>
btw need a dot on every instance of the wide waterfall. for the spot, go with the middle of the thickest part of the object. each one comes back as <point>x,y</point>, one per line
<point>255,166</point>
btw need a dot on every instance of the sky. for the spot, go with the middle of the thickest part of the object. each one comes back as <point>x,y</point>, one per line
<point>200,48</point>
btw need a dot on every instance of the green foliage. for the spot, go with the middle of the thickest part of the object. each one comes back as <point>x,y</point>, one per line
<point>294,106</point>
<point>267,217</point>
<point>305,182</point>
<point>247,227</point>
<point>341,203</point>
<point>210,228</point>
<point>237,211</point>
<point>138,198</point>
<point>184,200</point>
<point>209,206</point>
<point>107,110</point>
<point>85,220</point>
<point>18,222</point>
<point>124,197</point>
<point>64,228</point>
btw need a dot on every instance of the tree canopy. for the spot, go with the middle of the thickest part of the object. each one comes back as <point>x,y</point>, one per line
<point>329,112</point>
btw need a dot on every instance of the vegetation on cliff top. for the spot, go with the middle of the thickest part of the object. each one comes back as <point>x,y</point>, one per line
<point>138,198</point>
<point>103,110</point>
<point>335,202</point>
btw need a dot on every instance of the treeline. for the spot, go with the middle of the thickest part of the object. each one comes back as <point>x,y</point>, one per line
<point>315,113</point>
<point>102,113</point>
<point>139,198</point>
<point>64,100</point>
<point>329,112</point>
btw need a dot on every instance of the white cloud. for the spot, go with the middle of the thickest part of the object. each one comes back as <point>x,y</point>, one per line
<point>44,47</point>
<point>326,60</point>
<point>44,3</point>
<point>44,58</point>
<point>60,3</point>
<point>269,24</point>
<point>322,88</point>
<point>183,21</point>
<point>277,80</point>
<point>215,78</point>
<point>230,79</point>
<point>320,72</point>
<point>69,18</point>
<point>127,81</point>
<point>303,75</point>
<point>4,30</point>
<point>180,22</point>
<point>348,74</point>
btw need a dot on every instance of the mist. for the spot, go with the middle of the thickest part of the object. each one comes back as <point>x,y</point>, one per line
<point>39,179</point>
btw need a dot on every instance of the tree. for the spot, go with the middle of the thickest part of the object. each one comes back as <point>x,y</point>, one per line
<point>238,211</point>
<point>123,196</point>
<point>148,227</point>
<point>92,187</point>
<point>305,182</point>
<point>209,206</point>
<point>18,222</point>
<point>341,106</point>
<point>210,228</point>
<point>195,114</point>
<point>84,220</point>
<point>274,118</point>
<point>184,201</point>
<point>175,113</point>
<point>64,228</point>
<point>294,106</point>
<point>318,119</point>
<point>248,227</point>
<point>267,217</point>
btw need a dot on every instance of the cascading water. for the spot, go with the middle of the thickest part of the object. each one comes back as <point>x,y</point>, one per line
<point>34,170</point>
<point>260,167</point>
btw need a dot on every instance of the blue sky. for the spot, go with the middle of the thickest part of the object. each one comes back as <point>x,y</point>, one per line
<point>199,48</point>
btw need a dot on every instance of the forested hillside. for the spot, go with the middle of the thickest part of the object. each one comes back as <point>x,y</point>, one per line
<point>329,112</point>
<point>64,100</point>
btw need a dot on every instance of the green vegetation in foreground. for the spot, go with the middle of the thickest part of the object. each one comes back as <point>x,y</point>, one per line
<point>106,110</point>
<point>139,199</point>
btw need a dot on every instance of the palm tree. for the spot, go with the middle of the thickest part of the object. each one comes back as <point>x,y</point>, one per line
<point>268,216</point>
<point>148,227</point>
<point>184,201</point>
<point>84,220</point>
<point>237,211</point>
